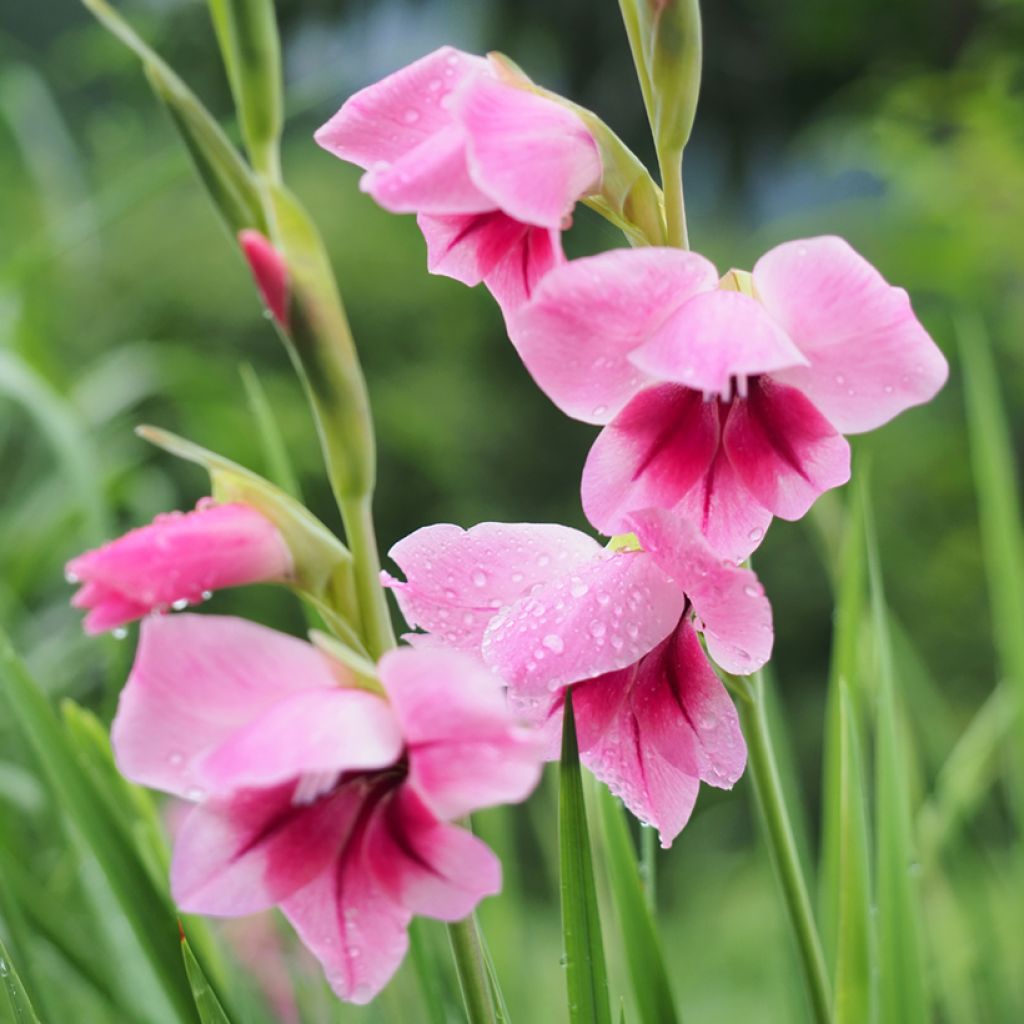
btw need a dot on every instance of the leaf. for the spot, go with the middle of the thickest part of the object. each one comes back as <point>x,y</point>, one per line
<point>207,1003</point>
<point>902,993</point>
<point>637,929</point>
<point>275,452</point>
<point>18,1003</point>
<point>586,976</point>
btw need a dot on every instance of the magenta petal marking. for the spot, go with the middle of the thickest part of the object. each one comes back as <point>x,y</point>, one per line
<point>649,456</point>
<point>457,580</point>
<point>468,247</point>
<point>516,277</point>
<point>588,315</point>
<point>783,449</point>
<point>729,602</point>
<point>196,680</point>
<point>870,358</point>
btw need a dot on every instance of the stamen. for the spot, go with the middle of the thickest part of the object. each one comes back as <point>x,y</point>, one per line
<point>741,385</point>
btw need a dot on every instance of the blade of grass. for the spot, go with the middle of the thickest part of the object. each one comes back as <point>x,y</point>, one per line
<point>18,1002</point>
<point>637,928</point>
<point>585,973</point>
<point>207,1004</point>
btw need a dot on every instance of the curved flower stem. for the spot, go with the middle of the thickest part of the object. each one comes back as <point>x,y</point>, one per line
<point>670,166</point>
<point>782,843</point>
<point>472,971</point>
<point>378,633</point>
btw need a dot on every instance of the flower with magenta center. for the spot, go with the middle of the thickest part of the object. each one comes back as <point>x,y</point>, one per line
<point>328,800</point>
<point>546,607</point>
<point>724,400</point>
<point>492,170</point>
<point>178,560</point>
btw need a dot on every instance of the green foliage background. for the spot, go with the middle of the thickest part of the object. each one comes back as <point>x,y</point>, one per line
<point>899,125</point>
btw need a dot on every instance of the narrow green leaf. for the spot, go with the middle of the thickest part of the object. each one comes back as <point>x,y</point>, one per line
<point>229,182</point>
<point>637,929</point>
<point>146,906</point>
<point>585,972</point>
<point>207,1003</point>
<point>18,1002</point>
<point>902,992</point>
<point>275,452</point>
<point>249,43</point>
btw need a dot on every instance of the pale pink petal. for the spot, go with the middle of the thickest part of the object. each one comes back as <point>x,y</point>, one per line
<point>320,732</point>
<point>195,681</point>
<point>179,558</point>
<point>432,179</point>
<point>603,617</point>
<point>465,749</point>
<point>457,580</point>
<point>468,247</point>
<point>531,155</point>
<point>728,600</point>
<point>393,116</point>
<point>733,521</point>
<point>269,271</point>
<point>650,455</point>
<point>515,279</point>
<point>785,452</point>
<point>351,925</point>
<point>237,856</point>
<point>711,339</point>
<point>428,867</point>
<point>587,316</point>
<point>870,358</point>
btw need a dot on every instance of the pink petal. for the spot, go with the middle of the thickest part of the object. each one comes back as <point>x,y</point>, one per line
<point>238,856</point>
<point>711,339</point>
<point>457,580</point>
<point>784,450</point>
<point>465,749</point>
<point>391,117</point>
<point>196,680</point>
<point>351,925</point>
<point>728,600</point>
<point>728,515</point>
<point>514,279</point>
<point>603,617</point>
<point>428,867</point>
<point>318,732</point>
<point>269,271</point>
<point>870,358</point>
<point>432,178</point>
<point>468,247</point>
<point>588,315</point>
<point>179,557</point>
<point>650,455</point>
<point>532,156</point>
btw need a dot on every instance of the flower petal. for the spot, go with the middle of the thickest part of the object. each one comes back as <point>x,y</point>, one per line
<point>317,732</point>
<point>237,856</point>
<point>728,600</point>
<point>587,316</point>
<point>604,617</point>
<point>650,455</point>
<point>785,452</point>
<point>531,155</point>
<point>393,116</point>
<point>465,749</point>
<point>467,247</point>
<point>714,337</point>
<point>870,358</point>
<point>195,681</point>
<point>514,279</point>
<point>426,866</point>
<point>457,580</point>
<point>350,925</point>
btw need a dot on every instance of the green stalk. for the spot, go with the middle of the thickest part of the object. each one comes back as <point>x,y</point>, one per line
<point>357,514</point>
<point>649,865</point>
<point>782,843</point>
<point>670,165</point>
<point>472,970</point>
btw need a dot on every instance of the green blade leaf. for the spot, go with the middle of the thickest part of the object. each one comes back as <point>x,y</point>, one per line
<point>18,1003</point>
<point>637,929</point>
<point>207,1003</point>
<point>585,973</point>
<point>902,992</point>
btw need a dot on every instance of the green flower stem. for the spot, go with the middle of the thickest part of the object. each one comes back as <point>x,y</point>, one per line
<point>782,843</point>
<point>648,865</point>
<point>472,971</point>
<point>378,633</point>
<point>670,165</point>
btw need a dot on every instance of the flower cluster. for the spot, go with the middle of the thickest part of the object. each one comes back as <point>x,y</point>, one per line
<point>328,785</point>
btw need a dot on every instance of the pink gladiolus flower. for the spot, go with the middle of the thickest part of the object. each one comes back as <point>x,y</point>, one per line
<point>311,794</point>
<point>175,561</point>
<point>548,608</point>
<point>492,170</point>
<point>728,406</point>
<point>269,272</point>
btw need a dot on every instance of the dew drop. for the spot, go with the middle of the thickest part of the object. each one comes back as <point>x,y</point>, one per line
<point>840,379</point>
<point>597,629</point>
<point>756,533</point>
<point>411,116</point>
<point>180,604</point>
<point>479,578</point>
<point>434,84</point>
<point>543,560</point>
<point>206,595</point>
<point>120,633</point>
<point>750,590</point>
<point>70,577</point>
<point>517,577</point>
<point>175,759</point>
<point>888,389</point>
<point>195,793</point>
<point>599,410</point>
<point>617,642</point>
<point>553,642</point>
<point>577,587</point>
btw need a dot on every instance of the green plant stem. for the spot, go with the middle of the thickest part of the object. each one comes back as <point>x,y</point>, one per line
<point>357,514</point>
<point>670,166</point>
<point>469,962</point>
<point>782,843</point>
<point>649,865</point>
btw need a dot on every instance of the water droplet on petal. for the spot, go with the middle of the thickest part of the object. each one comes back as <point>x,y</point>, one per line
<point>411,116</point>
<point>554,643</point>
<point>195,793</point>
<point>577,587</point>
<point>180,604</point>
<point>479,578</point>
<point>750,590</point>
<point>597,629</point>
<point>120,633</point>
<point>756,533</point>
<point>175,758</point>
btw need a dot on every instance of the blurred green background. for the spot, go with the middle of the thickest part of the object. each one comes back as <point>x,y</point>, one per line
<point>899,125</point>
